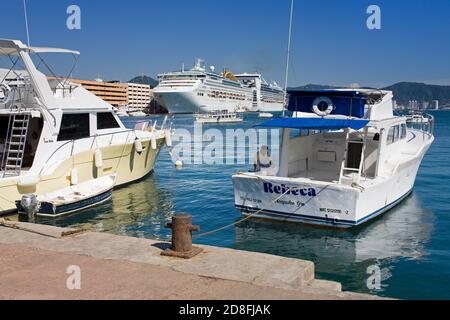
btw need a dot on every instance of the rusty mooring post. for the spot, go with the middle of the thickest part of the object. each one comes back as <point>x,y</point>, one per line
<point>182,237</point>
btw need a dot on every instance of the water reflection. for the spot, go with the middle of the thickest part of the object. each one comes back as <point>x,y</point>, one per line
<point>346,254</point>
<point>138,210</point>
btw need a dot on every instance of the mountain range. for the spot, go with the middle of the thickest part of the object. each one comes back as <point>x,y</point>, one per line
<point>404,92</point>
<point>145,80</point>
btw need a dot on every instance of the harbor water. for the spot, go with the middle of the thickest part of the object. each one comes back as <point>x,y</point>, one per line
<point>408,245</point>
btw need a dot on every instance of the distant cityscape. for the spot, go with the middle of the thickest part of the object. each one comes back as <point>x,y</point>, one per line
<point>416,106</point>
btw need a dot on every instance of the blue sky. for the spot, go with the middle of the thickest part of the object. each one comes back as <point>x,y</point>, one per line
<point>331,43</point>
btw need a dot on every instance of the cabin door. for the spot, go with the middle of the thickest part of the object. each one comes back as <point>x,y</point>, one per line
<point>354,155</point>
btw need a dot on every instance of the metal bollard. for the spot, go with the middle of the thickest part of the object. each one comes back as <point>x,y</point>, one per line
<point>182,238</point>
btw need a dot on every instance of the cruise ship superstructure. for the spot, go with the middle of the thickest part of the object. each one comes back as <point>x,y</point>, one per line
<point>199,90</point>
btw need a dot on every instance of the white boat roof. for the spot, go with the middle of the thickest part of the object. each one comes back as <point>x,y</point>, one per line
<point>13,47</point>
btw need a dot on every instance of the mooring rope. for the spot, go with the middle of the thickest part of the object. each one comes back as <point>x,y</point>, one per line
<point>239,221</point>
<point>251,215</point>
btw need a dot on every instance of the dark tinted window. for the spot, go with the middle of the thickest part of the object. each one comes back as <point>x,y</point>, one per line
<point>74,126</point>
<point>106,120</point>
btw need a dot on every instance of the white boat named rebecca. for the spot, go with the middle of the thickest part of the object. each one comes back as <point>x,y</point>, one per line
<point>344,160</point>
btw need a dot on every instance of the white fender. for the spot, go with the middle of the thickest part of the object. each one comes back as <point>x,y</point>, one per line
<point>323,113</point>
<point>154,142</point>
<point>74,177</point>
<point>138,146</point>
<point>28,182</point>
<point>168,138</point>
<point>179,164</point>
<point>98,157</point>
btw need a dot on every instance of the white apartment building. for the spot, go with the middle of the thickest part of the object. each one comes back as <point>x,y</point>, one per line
<point>139,96</point>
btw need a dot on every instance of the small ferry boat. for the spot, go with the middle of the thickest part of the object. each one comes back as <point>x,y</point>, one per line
<point>265,115</point>
<point>137,114</point>
<point>72,199</point>
<point>121,113</point>
<point>218,117</point>
<point>344,160</point>
<point>241,110</point>
<point>57,136</point>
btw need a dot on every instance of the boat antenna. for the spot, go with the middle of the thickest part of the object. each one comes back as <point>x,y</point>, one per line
<point>26,21</point>
<point>288,58</point>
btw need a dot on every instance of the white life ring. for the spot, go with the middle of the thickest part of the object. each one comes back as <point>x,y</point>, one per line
<point>5,89</point>
<point>317,106</point>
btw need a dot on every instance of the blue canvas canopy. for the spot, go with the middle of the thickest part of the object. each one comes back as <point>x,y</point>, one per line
<point>315,123</point>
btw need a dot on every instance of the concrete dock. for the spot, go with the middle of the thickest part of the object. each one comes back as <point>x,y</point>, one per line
<point>34,262</point>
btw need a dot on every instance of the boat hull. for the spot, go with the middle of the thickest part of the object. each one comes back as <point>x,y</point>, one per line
<point>48,209</point>
<point>319,203</point>
<point>121,159</point>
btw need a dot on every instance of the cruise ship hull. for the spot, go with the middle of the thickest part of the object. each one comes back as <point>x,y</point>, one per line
<point>191,102</point>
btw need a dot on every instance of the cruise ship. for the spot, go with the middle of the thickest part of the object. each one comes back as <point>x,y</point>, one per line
<point>199,90</point>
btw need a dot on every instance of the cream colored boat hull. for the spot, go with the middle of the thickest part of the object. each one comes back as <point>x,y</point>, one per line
<point>122,160</point>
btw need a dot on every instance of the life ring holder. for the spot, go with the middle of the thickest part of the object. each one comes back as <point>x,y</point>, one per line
<point>6,90</point>
<point>316,106</point>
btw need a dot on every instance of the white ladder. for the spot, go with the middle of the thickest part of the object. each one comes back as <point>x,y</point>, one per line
<point>360,169</point>
<point>17,139</point>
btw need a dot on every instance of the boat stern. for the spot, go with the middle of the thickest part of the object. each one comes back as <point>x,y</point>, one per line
<point>296,200</point>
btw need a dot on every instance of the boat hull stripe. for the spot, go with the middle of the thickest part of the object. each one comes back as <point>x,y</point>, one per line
<point>346,223</point>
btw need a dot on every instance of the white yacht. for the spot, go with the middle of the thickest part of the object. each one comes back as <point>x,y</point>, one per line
<point>55,135</point>
<point>200,91</point>
<point>344,160</point>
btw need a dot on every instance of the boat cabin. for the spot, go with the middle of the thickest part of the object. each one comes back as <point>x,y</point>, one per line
<point>340,136</point>
<point>36,110</point>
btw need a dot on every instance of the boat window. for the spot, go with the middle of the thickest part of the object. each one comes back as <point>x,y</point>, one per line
<point>74,126</point>
<point>106,120</point>
<point>295,133</point>
<point>396,133</point>
<point>391,135</point>
<point>403,132</point>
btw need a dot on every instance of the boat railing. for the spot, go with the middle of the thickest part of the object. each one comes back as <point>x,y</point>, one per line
<point>425,124</point>
<point>72,144</point>
<point>166,125</point>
